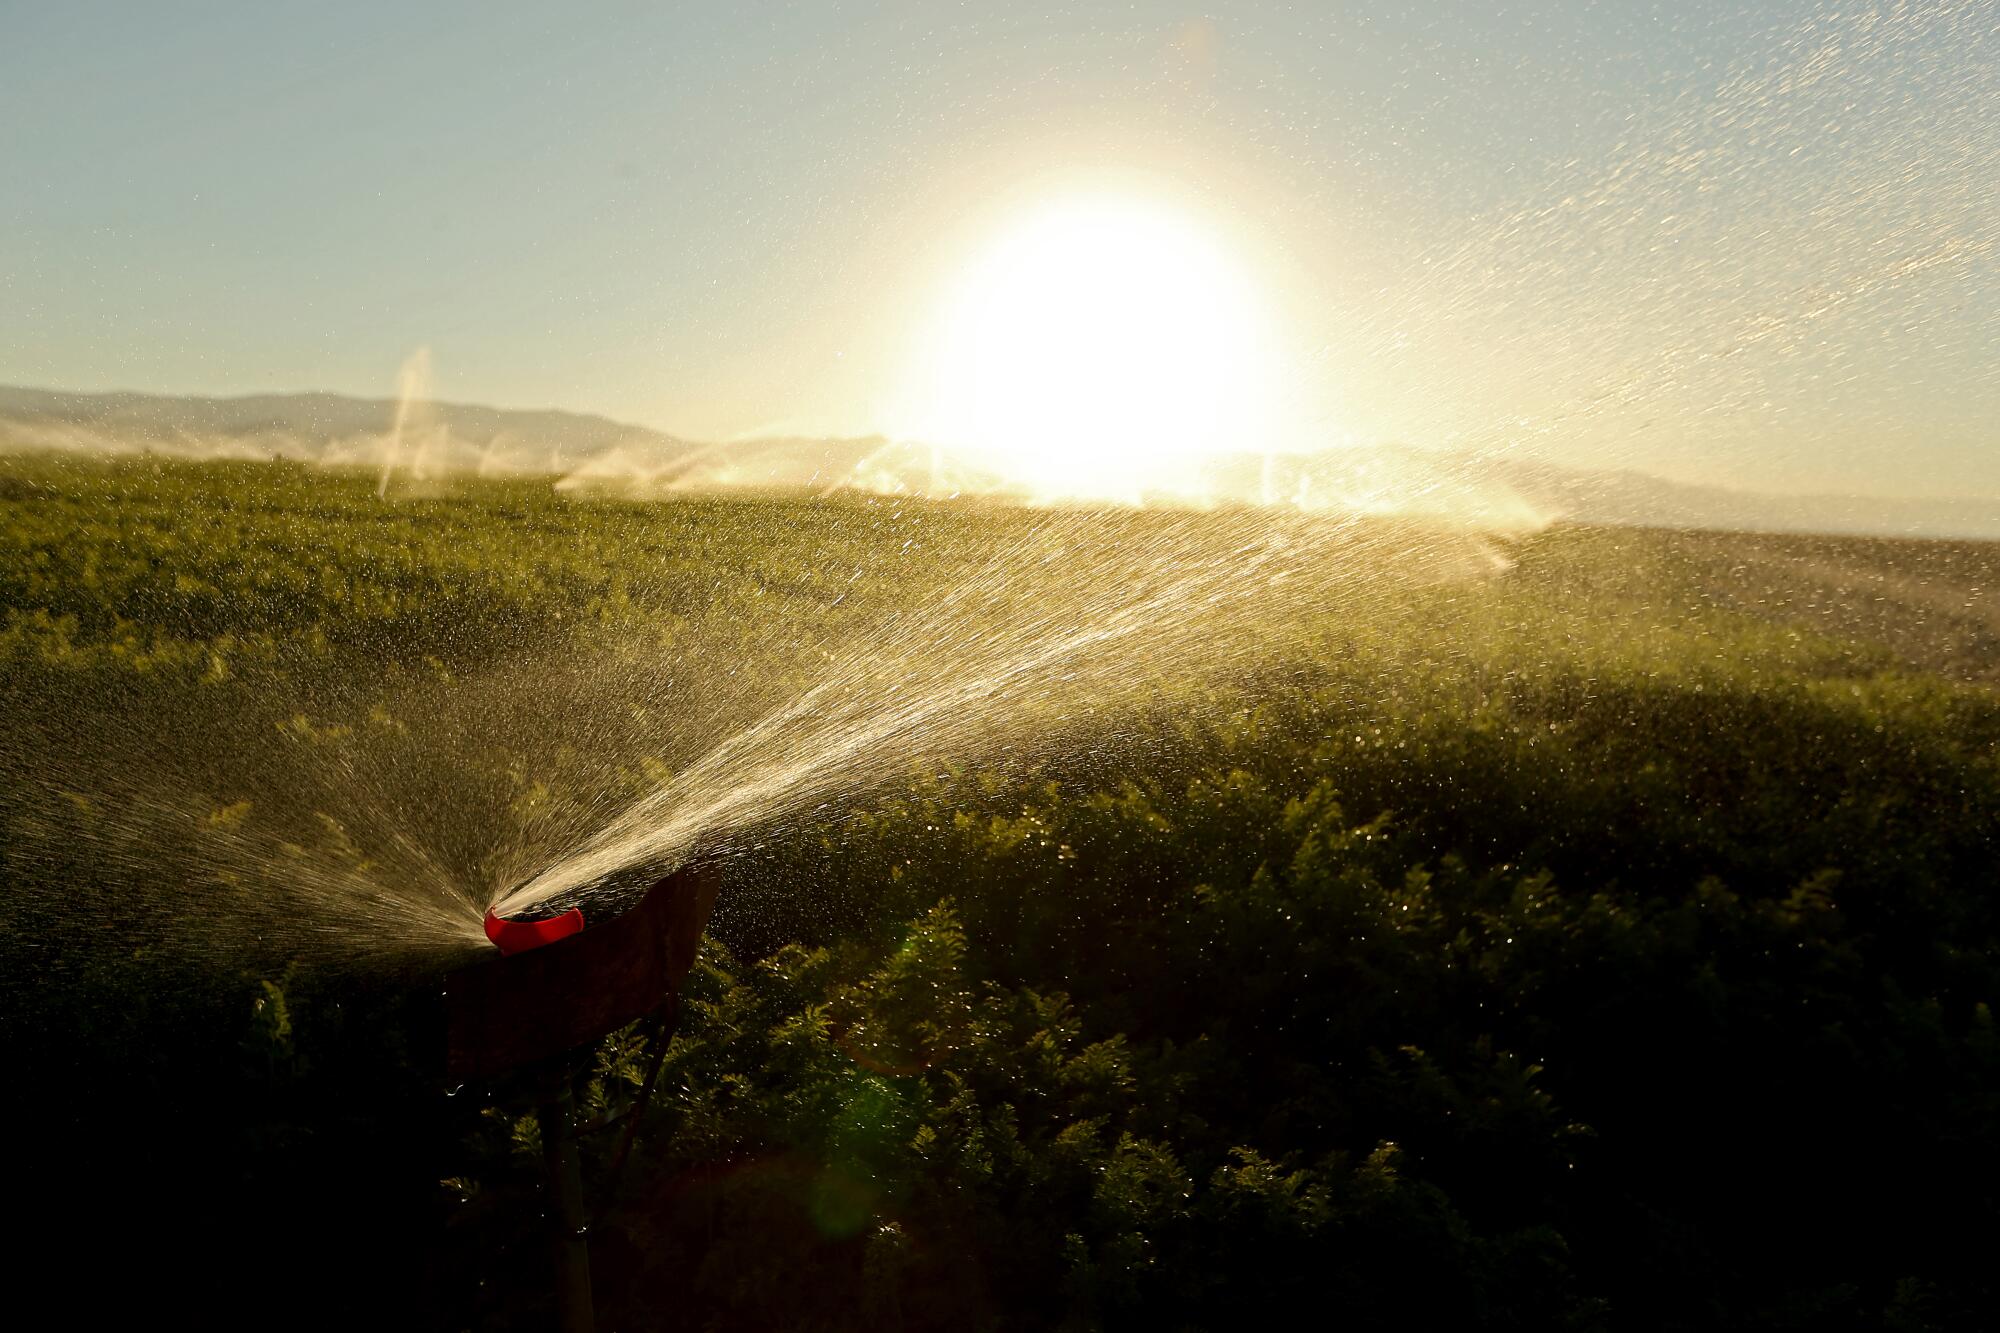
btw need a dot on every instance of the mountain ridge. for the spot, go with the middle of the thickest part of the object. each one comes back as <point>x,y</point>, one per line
<point>588,451</point>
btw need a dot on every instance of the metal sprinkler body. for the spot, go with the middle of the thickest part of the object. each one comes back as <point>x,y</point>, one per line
<point>555,988</point>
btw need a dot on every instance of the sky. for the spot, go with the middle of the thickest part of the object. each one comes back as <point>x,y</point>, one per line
<point>1745,245</point>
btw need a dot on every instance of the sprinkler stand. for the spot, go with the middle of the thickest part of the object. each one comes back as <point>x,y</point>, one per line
<point>533,1010</point>
<point>563,1170</point>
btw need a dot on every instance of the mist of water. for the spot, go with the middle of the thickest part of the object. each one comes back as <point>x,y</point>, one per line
<point>413,391</point>
<point>987,675</point>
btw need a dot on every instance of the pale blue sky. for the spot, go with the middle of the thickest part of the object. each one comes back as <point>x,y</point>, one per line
<point>1752,244</point>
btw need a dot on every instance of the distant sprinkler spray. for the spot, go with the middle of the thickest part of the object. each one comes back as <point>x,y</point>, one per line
<point>413,388</point>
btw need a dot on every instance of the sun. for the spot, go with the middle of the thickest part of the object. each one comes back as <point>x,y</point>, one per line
<point>1096,348</point>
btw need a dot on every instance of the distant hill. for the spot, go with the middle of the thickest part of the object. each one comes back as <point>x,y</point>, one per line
<point>1633,499</point>
<point>322,428</point>
<point>590,452</point>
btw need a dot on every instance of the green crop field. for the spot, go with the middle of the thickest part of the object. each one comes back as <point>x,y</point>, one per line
<point>1595,929</point>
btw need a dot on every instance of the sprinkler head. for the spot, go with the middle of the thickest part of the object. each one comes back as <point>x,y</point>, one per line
<point>536,1003</point>
<point>512,937</point>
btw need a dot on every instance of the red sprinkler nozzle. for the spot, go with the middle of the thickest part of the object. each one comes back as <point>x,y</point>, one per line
<point>520,936</point>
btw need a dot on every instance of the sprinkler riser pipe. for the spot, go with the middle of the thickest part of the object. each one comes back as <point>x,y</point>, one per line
<point>564,1174</point>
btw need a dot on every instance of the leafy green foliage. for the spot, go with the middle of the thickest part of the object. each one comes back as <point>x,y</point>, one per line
<point>1583,948</point>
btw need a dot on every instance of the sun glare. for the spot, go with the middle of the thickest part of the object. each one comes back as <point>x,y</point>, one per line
<point>1097,349</point>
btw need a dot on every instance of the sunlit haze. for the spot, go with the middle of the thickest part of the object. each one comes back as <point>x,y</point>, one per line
<point>1744,246</point>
